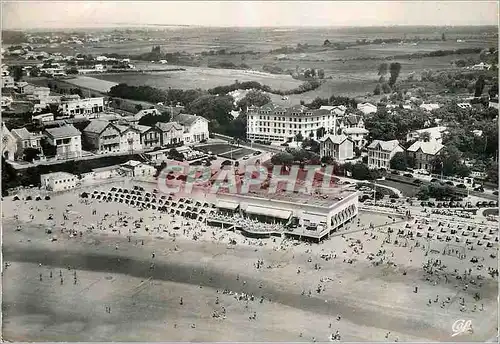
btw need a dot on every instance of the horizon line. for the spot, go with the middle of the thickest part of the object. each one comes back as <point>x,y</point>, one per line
<point>126,25</point>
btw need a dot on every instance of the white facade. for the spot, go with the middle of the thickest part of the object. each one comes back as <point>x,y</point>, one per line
<point>278,124</point>
<point>367,108</point>
<point>357,135</point>
<point>67,141</point>
<point>6,101</point>
<point>195,127</point>
<point>130,139</point>
<point>9,144</point>
<point>58,181</point>
<point>42,118</point>
<point>380,153</point>
<point>197,131</point>
<point>337,147</point>
<point>8,81</point>
<point>87,107</point>
<point>429,107</point>
<point>435,134</point>
<point>25,139</point>
<point>424,153</point>
<point>135,168</point>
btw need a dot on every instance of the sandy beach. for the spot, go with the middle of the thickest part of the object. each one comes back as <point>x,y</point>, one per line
<point>142,271</point>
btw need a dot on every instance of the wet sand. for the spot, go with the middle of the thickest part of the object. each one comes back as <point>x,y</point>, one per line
<point>372,300</point>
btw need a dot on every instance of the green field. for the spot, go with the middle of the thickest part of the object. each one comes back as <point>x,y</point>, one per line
<point>349,72</point>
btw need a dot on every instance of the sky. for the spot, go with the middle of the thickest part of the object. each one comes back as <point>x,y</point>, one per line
<point>92,14</point>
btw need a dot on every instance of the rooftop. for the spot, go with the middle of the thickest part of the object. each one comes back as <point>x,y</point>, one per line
<point>186,119</point>
<point>385,145</point>
<point>432,147</point>
<point>96,126</point>
<point>337,139</point>
<point>355,130</point>
<point>168,126</point>
<point>334,196</point>
<point>63,131</point>
<point>58,175</point>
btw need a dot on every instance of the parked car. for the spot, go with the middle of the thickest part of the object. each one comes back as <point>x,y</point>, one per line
<point>245,158</point>
<point>257,153</point>
<point>226,163</point>
<point>434,180</point>
<point>395,173</point>
<point>461,186</point>
<point>408,175</point>
<point>449,182</point>
<point>479,189</point>
<point>495,192</point>
<point>417,181</point>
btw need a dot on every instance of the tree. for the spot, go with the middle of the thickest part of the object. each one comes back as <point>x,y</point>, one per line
<point>386,88</point>
<point>449,162</point>
<point>361,172</point>
<point>30,154</point>
<point>479,87</point>
<point>17,72</point>
<point>399,161</point>
<point>283,158</point>
<point>35,72</point>
<point>299,137</point>
<point>72,70</point>
<point>317,103</point>
<point>493,91</point>
<point>443,37</point>
<point>377,90</point>
<point>150,119</point>
<point>320,132</point>
<point>176,155</point>
<point>382,69</point>
<point>214,108</point>
<point>492,173</point>
<point>326,43</point>
<point>311,145</point>
<point>321,73</point>
<point>138,107</point>
<point>253,97</point>
<point>394,69</point>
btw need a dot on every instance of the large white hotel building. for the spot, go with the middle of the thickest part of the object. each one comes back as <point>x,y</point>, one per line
<point>275,123</point>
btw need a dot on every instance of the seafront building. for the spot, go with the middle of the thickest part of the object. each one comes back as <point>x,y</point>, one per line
<point>380,153</point>
<point>303,216</point>
<point>279,124</point>
<point>86,107</point>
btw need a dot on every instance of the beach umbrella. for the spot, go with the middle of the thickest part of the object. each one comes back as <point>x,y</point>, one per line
<point>82,195</point>
<point>16,198</point>
<point>28,198</point>
<point>47,198</point>
<point>38,198</point>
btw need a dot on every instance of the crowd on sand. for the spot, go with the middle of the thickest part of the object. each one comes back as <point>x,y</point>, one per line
<point>374,242</point>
